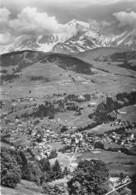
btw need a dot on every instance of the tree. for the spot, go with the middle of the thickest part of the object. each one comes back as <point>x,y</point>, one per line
<point>53,154</point>
<point>125,191</point>
<point>99,145</point>
<point>65,171</point>
<point>57,171</point>
<point>39,139</point>
<point>10,179</point>
<point>63,129</point>
<point>51,115</point>
<point>45,165</point>
<point>133,184</point>
<point>89,177</point>
<point>32,172</point>
<point>50,173</point>
<point>10,170</point>
<point>55,188</point>
<point>121,177</point>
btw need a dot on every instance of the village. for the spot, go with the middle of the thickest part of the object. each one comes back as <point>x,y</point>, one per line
<point>50,129</point>
<point>38,139</point>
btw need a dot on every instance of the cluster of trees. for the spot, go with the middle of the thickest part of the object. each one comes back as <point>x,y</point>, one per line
<point>90,177</point>
<point>45,110</point>
<point>99,145</point>
<point>50,108</point>
<point>35,78</point>
<point>104,111</point>
<point>53,154</point>
<point>133,184</point>
<point>125,57</point>
<point>15,166</point>
<point>65,148</point>
<point>70,63</point>
<point>10,169</point>
<point>59,188</point>
<point>8,77</point>
<point>75,98</point>
<point>89,126</point>
<point>50,173</point>
<point>123,150</point>
<point>121,129</point>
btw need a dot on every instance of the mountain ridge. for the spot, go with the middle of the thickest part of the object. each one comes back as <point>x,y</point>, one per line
<point>78,37</point>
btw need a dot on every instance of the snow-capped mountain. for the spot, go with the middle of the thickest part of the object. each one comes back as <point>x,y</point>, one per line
<point>78,36</point>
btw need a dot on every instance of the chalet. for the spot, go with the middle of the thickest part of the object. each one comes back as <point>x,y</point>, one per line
<point>81,98</point>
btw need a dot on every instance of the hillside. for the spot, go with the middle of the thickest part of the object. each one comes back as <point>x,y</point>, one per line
<point>21,59</point>
<point>23,188</point>
<point>85,71</point>
<point>101,52</point>
<point>112,57</point>
<point>16,63</point>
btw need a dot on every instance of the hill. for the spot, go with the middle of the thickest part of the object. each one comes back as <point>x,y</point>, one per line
<point>79,72</point>
<point>16,63</point>
<point>100,52</point>
<point>124,58</point>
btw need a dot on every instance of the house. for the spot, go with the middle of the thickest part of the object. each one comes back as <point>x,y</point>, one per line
<point>81,98</point>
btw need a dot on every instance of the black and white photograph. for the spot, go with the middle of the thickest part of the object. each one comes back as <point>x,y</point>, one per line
<point>68,97</point>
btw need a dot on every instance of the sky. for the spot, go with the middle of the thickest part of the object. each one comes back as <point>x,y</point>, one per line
<point>18,17</point>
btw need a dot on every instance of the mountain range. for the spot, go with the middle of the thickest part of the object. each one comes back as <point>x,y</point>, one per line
<point>79,36</point>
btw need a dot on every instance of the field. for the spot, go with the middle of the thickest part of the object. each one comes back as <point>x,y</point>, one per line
<point>128,113</point>
<point>2,144</point>
<point>117,162</point>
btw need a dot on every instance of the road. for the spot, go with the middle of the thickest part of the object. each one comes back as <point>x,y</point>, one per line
<point>118,188</point>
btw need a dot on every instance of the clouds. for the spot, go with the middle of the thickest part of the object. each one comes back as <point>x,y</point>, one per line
<point>30,21</point>
<point>126,18</point>
<point>101,25</point>
<point>4,17</point>
<point>4,14</point>
<point>36,17</point>
<point>5,38</point>
<point>67,2</point>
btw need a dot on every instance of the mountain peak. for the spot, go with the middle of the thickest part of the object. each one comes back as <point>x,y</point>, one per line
<point>77,22</point>
<point>72,22</point>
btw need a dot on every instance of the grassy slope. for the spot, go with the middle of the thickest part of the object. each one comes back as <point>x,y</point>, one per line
<point>117,162</point>
<point>20,60</point>
<point>111,57</point>
<point>23,188</point>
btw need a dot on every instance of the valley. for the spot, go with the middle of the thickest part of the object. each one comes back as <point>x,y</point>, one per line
<point>68,97</point>
<point>50,99</point>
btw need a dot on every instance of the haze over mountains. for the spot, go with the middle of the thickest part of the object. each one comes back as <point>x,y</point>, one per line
<point>79,36</point>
